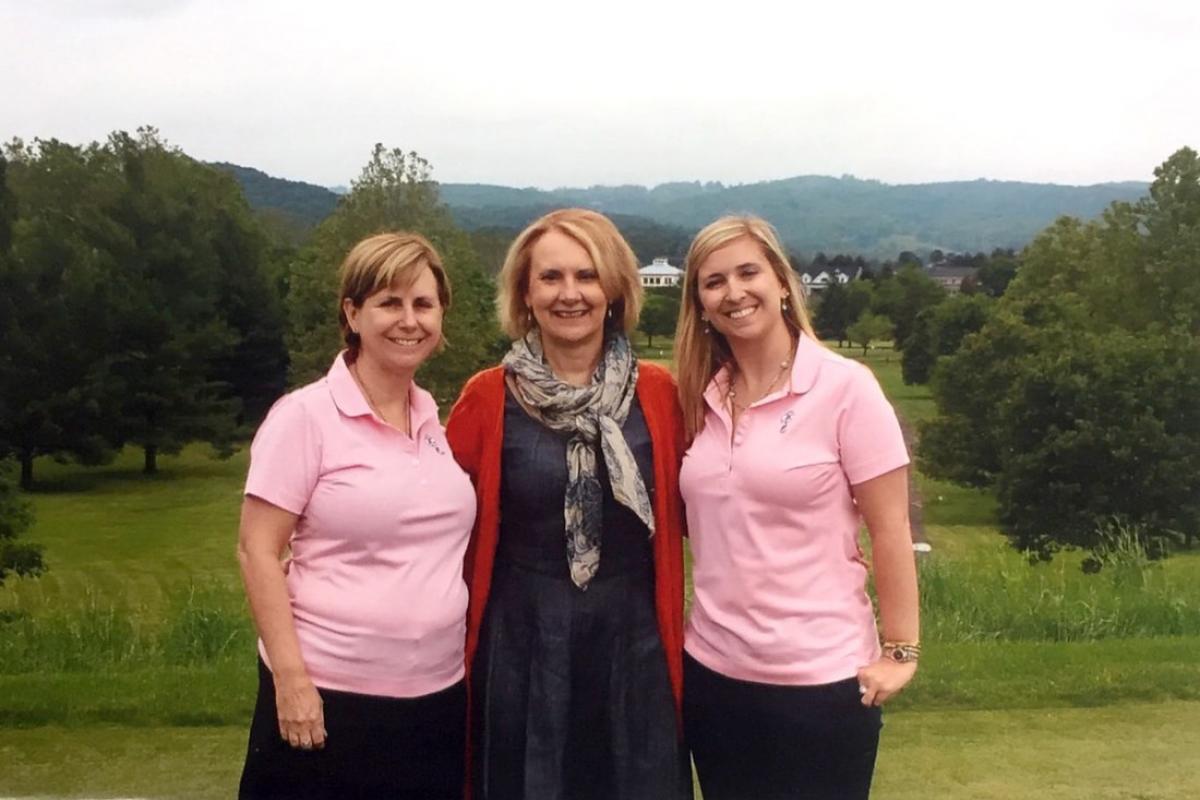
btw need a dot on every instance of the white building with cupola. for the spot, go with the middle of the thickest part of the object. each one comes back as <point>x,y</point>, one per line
<point>660,273</point>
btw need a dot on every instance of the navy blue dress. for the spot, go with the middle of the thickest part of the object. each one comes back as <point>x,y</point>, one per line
<point>571,694</point>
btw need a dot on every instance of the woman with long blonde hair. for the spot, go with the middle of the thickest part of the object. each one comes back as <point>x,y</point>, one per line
<point>791,446</point>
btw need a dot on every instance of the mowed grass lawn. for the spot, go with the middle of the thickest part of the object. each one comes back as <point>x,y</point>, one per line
<point>1113,718</point>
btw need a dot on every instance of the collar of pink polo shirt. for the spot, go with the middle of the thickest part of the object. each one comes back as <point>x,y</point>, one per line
<point>806,363</point>
<point>349,399</point>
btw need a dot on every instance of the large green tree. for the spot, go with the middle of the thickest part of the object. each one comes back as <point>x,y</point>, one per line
<point>659,314</point>
<point>198,323</point>
<point>134,302</point>
<point>56,304</point>
<point>1076,401</point>
<point>838,306</point>
<point>903,295</point>
<point>939,330</point>
<point>395,192</point>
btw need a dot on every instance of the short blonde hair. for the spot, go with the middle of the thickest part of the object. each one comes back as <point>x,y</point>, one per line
<point>380,261</point>
<point>611,255</point>
<point>698,355</point>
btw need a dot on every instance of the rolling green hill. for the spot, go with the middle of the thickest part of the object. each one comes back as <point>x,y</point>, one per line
<point>813,213</point>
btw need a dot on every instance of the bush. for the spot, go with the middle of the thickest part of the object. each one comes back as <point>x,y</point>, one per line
<point>16,517</point>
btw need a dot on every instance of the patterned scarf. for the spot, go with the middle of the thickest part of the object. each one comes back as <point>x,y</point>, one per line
<point>589,414</point>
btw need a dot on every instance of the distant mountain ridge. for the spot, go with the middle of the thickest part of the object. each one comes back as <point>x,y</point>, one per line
<point>812,213</point>
<point>817,213</point>
<point>306,203</point>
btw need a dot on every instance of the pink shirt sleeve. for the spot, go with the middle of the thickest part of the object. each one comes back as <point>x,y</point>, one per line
<point>869,435</point>
<point>285,456</point>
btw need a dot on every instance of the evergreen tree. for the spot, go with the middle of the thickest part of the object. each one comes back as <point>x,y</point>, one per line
<point>56,305</point>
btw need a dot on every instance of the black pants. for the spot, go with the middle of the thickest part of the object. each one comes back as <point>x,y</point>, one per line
<point>757,741</point>
<point>376,747</point>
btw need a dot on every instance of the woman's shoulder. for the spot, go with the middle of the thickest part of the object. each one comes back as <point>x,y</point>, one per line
<point>481,398</point>
<point>822,368</point>
<point>655,377</point>
<point>483,385</point>
<point>304,402</point>
<point>657,393</point>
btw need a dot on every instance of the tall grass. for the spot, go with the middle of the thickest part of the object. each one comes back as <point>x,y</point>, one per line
<point>994,596</point>
<point>1002,598</point>
<point>204,624</point>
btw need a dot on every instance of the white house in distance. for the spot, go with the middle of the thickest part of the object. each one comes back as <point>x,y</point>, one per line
<point>660,273</point>
<point>816,280</point>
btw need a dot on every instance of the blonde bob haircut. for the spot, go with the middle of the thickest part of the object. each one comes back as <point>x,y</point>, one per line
<point>699,355</point>
<point>611,255</point>
<point>383,260</point>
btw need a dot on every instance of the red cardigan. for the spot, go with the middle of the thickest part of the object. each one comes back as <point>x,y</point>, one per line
<point>476,430</point>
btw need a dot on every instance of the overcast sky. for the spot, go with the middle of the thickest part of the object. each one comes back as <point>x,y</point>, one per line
<point>577,93</point>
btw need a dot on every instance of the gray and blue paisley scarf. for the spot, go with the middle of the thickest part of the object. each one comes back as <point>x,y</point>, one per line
<point>590,414</point>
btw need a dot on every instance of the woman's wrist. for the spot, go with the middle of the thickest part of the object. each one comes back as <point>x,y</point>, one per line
<point>901,651</point>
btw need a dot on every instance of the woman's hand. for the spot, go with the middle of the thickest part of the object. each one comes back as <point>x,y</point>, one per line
<point>301,716</point>
<point>882,679</point>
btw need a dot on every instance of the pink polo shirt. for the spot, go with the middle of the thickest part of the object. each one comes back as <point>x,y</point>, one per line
<point>780,582</point>
<point>375,576</point>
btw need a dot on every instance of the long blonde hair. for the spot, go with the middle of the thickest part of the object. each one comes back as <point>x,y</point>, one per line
<point>699,355</point>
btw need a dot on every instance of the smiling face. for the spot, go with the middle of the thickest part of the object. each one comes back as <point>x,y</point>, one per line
<point>398,326</point>
<point>564,293</point>
<point>740,293</point>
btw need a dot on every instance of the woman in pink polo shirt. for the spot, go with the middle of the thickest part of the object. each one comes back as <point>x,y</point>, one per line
<point>791,446</point>
<point>361,689</point>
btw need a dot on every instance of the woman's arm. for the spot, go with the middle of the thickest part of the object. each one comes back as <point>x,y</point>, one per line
<point>263,534</point>
<point>883,503</point>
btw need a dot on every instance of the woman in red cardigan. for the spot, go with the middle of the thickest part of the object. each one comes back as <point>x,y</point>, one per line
<point>575,565</point>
